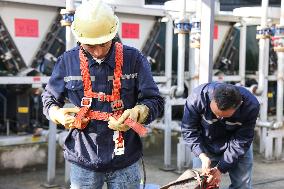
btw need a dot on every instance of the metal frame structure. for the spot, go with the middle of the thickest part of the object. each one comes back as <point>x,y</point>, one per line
<point>269,131</point>
<point>53,3</point>
<point>6,80</point>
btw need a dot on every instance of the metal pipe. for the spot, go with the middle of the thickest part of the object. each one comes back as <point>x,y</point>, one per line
<point>70,39</point>
<point>206,41</point>
<point>168,135</point>
<point>168,90</point>
<point>168,51</point>
<point>167,138</point>
<point>242,54</point>
<point>67,171</point>
<point>4,111</point>
<point>51,154</point>
<point>181,63</point>
<point>198,9</point>
<point>195,78</point>
<point>264,11</point>
<point>180,155</point>
<point>268,124</point>
<point>70,43</point>
<point>181,56</point>
<point>217,6</point>
<point>263,66</point>
<point>263,52</point>
<point>8,127</point>
<point>191,69</point>
<point>175,125</point>
<point>282,13</point>
<point>262,88</point>
<point>168,105</point>
<point>280,85</point>
<point>270,77</point>
<point>196,67</point>
<point>280,79</point>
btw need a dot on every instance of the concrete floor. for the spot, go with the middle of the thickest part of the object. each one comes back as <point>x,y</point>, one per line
<point>266,175</point>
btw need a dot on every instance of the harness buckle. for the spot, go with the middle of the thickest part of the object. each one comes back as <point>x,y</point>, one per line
<point>86,101</point>
<point>101,97</point>
<point>117,105</point>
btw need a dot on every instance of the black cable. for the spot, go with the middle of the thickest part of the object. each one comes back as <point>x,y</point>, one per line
<point>269,181</point>
<point>144,172</point>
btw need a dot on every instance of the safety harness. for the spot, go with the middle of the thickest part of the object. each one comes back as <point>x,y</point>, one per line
<point>116,103</point>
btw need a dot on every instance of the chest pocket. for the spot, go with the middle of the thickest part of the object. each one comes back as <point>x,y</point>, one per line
<point>232,126</point>
<point>128,87</point>
<point>75,91</point>
<point>128,92</point>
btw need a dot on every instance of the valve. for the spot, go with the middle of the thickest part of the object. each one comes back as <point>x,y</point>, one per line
<point>67,17</point>
<point>182,26</point>
<point>263,32</point>
<point>195,33</point>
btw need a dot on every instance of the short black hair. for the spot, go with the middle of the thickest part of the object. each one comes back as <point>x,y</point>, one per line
<point>227,96</point>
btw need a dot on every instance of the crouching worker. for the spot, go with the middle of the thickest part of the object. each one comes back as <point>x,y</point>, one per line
<point>218,125</point>
<point>113,88</point>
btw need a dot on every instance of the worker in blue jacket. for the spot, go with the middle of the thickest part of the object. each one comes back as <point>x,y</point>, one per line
<point>218,125</point>
<point>109,83</point>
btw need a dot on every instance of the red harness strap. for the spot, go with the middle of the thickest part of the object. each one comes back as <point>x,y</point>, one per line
<point>114,98</point>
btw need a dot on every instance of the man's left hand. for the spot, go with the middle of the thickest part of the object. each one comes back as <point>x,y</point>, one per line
<point>138,114</point>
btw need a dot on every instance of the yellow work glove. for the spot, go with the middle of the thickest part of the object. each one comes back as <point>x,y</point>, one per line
<point>63,116</point>
<point>138,114</point>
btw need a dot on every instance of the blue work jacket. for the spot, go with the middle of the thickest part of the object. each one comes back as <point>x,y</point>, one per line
<point>228,138</point>
<point>93,147</point>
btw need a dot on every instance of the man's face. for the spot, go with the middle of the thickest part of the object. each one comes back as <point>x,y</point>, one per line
<point>221,113</point>
<point>98,51</point>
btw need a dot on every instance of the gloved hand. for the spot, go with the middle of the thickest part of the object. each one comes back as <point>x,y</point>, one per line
<point>138,114</point>
<point>63,116</point>
<point>206,162</point>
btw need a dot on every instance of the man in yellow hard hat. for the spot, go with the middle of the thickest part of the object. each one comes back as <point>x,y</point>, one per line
<point>113,89</point>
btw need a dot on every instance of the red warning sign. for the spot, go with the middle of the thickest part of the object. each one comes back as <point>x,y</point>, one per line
<point>130,30</point>
<point>26,27</point>
<point>215,35</point>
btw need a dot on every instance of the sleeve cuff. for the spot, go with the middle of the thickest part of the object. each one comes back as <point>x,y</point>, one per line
<point>47,116</point>
<point>149,118</point>
<point>197,151</point>
<point>223,167</point>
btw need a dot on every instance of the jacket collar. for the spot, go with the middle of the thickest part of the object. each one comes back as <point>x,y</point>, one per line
<point>109,60</point>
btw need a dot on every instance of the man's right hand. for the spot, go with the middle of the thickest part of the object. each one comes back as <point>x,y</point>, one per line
<point>63,116</point>
<point>206,162</point>
<point>214,178</point>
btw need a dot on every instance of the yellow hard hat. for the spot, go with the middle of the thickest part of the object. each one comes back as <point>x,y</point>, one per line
<point>94,23</point>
